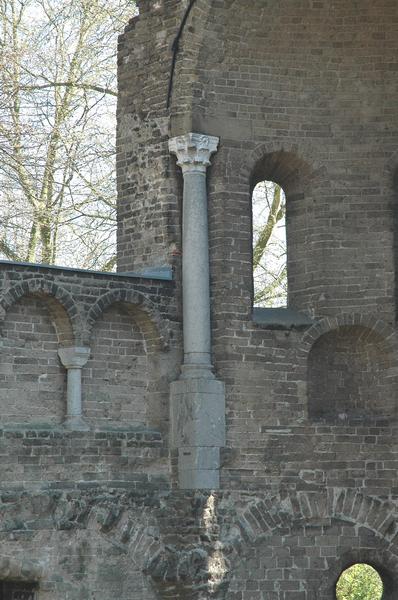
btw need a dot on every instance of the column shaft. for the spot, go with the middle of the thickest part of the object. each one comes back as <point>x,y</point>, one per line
<point>74,393</point>
<point>74,359</point>
<point>195,271</point>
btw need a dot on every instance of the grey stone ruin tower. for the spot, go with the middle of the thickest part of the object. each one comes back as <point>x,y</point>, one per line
<point>160,439</point>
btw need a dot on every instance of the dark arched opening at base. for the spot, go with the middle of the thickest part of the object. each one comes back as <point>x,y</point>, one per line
<point>17,590</point>
<point>360,580</point>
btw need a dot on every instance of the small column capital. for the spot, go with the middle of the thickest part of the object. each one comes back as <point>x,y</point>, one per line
<point>74,357</point>
<point>193,151</point>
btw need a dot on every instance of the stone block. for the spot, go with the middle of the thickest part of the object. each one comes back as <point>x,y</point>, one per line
<point>197,413</point>
<point>196,479</point>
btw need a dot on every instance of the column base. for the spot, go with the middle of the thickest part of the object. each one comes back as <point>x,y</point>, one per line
<point>76,423</point>
<point>199,468</point>
<point>197,371</point>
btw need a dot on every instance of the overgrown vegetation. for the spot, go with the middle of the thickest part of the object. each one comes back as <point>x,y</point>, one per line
<point>359,582</point>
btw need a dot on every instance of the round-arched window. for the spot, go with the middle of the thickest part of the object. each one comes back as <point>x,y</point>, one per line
<point>359,582</point>
<point>269,245</point>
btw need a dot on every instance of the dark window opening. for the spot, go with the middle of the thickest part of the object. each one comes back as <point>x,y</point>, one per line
<point>269,245</point>
<point>17,590</point>
<point>360,581</point>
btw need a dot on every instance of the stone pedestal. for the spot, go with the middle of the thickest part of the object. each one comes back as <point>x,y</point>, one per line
<point>197,409</point>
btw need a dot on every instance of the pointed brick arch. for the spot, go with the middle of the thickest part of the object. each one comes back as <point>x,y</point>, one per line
<point>190,48</point>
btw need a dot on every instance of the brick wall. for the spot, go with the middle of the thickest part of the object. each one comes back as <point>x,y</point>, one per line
<point>33,380</point>
<point>116,377</point>
<point>148,208</point>
<point>132,332</point>
<point>62,492</point>
<point>303,93</point>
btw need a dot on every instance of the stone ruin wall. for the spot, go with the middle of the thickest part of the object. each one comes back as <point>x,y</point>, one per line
<point>301,93</point>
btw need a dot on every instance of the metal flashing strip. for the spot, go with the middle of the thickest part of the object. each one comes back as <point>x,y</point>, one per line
<point>164,273</point>
<point>281,318</point>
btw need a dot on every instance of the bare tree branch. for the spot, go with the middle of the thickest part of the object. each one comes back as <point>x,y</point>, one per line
<point>81,86</point>
<point>57,129</point>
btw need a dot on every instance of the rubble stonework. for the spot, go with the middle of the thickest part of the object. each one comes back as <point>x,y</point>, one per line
<point>301,93</point>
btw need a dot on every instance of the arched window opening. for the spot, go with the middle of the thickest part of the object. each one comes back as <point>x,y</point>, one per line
<point>359,582</point>
<point>17,590</point>
<point>269,245</point>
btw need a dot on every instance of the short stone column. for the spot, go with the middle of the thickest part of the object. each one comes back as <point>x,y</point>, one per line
<point>74,359</point>
<point>197,401</point>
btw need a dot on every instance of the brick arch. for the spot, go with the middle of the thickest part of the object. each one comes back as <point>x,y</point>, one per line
<point>304,166</point>
<point>265,515</point>
<point>59,301</point>
<point>248,527</point>
<point>117,524</point>
<point>153,326</point>
<point>371,322</point>
<point>114,519</point>
<point>294,168</point>
<point>284,512</point>
<point>379,339</point>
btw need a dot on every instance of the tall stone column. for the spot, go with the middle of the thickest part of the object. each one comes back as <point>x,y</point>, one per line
<point>197,399</point>
<point>74,359</point>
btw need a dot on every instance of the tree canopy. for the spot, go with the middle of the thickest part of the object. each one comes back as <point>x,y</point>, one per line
<point>57,130</point>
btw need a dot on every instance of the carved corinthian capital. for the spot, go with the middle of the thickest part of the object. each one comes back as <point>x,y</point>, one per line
<point>193,151</point>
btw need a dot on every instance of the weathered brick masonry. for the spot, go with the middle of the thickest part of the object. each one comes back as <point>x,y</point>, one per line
<point>300,92</point>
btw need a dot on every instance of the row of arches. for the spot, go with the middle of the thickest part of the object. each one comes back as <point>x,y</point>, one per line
<point>124,382</point>
<point>350,365</point>
<point>74,325</point>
